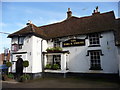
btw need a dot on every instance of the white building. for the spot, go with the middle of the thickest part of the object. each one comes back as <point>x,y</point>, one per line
<point>90,45</point>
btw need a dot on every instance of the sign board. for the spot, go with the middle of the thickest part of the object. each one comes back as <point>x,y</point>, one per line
<point>74,42</point>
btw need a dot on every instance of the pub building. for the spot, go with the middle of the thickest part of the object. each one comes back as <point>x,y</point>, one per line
<point>89,44</point>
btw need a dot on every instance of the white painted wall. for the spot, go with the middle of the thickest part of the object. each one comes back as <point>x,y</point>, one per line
<point>32,45</point>
<point>79,62</point>
<point>27,47</point>
<point>36,53</point>
<point>119,59</point>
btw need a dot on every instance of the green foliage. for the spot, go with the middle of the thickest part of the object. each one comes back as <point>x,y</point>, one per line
<point>55,66</point>
<point>8,64</point>
<point>25,63</point>
<point>54,49</point>
<point>48,66</point>
<point>58,48</point>
<point>25,77</point>
<point>10,76</point>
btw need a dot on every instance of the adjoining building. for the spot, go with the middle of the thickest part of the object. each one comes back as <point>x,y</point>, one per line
<point>90,44</point>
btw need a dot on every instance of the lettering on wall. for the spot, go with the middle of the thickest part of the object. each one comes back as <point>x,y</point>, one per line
<point>74,42</point>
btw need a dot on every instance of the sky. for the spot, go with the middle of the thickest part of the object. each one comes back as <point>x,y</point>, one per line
<point>15,15</point>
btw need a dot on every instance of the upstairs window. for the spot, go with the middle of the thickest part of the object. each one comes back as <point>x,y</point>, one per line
<point>14,47</point>
<point>20,40</point>
<point>94,39</point>
<point>56,43</point>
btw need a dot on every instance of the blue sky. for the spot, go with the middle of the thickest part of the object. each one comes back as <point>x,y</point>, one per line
<point>16,14</point>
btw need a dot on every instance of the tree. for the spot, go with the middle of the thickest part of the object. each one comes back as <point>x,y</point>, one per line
<point>25,64</point>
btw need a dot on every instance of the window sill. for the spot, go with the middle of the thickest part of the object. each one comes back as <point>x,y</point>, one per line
<point>95,68</point>
<point>94,46</point>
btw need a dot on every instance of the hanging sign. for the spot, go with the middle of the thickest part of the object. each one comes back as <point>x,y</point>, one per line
<point>74,42</point>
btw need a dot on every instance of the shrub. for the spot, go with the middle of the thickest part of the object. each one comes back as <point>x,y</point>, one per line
<point>54,49</point>
<point>55,66</point>
<point>10,76</point>
<point>25,63</point>
<point>8,64</point>
<point>48,66</point>
<point>58,49</point>
<point>25,77</point>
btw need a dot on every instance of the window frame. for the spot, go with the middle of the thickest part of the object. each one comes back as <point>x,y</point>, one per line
<point>56,43</point>
<point>97,64</point>
<point>94,39</point>
<point>21,40</point>
<point>53,60</point>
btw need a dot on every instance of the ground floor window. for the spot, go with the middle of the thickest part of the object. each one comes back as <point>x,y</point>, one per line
<point>53,62</point>
<point>95,63</point>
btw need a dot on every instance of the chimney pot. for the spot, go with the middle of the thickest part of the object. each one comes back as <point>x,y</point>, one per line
<point>29,22</point>
<point>69,13</point>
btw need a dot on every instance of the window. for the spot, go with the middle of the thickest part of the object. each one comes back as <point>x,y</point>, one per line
<point>94,39</point>
<point>14,47</point>
<point>57,59</point>
<point>54,59</point>
<point>20,42</point>
<point>95,63</point>
<point>56,43</point>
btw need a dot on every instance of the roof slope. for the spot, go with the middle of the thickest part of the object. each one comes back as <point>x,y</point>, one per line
<point>73,26</point>
<point>30,29</point>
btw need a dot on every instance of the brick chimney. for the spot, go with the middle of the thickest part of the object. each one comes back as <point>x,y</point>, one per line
<point>69,13</point>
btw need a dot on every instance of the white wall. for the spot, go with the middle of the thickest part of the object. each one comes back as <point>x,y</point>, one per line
<point>79,62</point>
<point>25,48</point>
<point>119,59</point>
<point>32,45</point>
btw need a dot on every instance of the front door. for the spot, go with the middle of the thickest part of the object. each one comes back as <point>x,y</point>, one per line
<point>19,67</point>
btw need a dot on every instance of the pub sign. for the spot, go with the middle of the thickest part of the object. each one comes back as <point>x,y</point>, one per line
<point>74,42</point>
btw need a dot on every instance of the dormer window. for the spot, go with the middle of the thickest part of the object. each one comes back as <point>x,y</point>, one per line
<point>94,39</point>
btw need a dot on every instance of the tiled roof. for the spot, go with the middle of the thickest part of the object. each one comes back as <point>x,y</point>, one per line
<point>74,25</point>
<point>97,22</point>
<point>30,29</point>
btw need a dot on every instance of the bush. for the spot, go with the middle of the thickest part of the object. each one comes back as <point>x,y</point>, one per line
<point>10,76</point>
<point>55,66</point>
<point>58,49</point>
<point>25,77</point>
<point>8,64</point>
<point>25,63</point>
<point>48,66</point>
<point>54,49</point>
